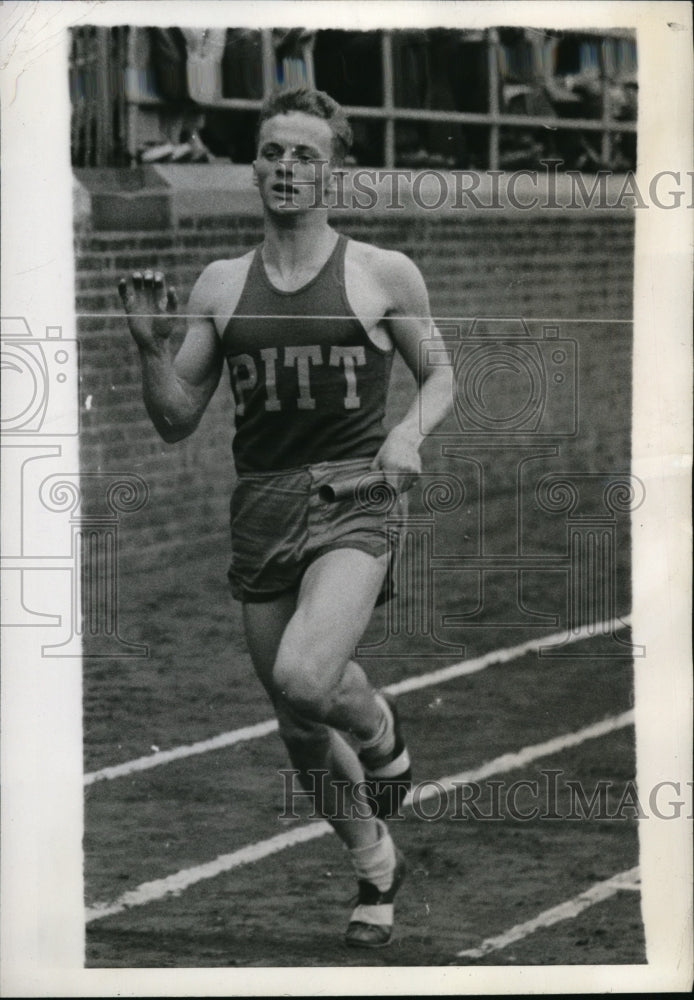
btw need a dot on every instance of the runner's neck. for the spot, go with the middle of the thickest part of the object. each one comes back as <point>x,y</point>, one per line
<point>294,257</point>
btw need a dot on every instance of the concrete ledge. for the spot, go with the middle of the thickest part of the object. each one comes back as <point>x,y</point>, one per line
<point>223,189</point>
<point>158,196</point>
<point>124,198</point>
<point>209,189</point>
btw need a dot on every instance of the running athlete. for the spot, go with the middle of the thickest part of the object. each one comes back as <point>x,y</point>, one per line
<point>308,323</point>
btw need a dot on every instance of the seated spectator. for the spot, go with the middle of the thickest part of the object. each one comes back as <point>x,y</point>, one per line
<point>187,72</point>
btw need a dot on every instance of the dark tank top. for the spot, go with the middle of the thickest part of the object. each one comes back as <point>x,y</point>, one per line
<point>308,383</point>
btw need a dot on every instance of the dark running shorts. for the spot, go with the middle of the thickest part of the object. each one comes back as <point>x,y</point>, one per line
<point>280,525</point>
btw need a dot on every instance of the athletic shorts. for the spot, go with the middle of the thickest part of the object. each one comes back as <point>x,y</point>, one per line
<point>280,525</point>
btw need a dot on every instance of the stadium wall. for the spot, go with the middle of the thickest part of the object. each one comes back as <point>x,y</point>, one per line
<point>560,265</point>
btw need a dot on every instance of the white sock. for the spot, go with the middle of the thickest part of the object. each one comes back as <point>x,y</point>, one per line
<point>376,863</point>
<point>384,739</point>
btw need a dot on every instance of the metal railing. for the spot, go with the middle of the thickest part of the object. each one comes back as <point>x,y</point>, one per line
<point>109,94</point>
<point>98,127</point>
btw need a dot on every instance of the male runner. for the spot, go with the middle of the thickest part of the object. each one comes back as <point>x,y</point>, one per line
<point>308,323</point>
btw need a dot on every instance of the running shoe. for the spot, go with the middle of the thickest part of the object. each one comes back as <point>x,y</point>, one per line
<point>371,923</point>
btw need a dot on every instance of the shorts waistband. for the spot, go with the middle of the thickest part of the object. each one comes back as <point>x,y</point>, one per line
<point>348,463</point>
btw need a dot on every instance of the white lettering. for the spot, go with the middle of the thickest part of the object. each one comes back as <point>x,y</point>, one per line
<point>349,356</point>
<point>301,357</point>
<point>269,356</point>
<point>242,385</point>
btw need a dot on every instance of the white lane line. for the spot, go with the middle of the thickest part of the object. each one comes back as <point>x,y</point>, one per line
<point>173,885</point>
<point>627,880</point>
<point>260,729</point>
<point>178,753</point>
<point>511,761</point>
<point>148,892</point>
<point>466,667</point>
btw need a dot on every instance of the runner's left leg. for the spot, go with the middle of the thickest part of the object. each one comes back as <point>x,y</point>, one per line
<point>316,689</point>
<point>312,746</point>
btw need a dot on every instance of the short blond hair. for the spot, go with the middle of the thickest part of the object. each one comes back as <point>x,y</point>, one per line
<point>312,102</point>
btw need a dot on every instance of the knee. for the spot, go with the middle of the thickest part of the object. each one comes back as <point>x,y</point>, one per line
<point>305,681</point>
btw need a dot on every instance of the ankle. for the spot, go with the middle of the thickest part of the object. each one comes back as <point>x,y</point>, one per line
<point>375,863</point>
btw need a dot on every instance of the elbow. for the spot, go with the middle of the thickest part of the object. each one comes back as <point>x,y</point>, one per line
<point>171,432</point>
<point>172,420</point>
<point>171,436</point>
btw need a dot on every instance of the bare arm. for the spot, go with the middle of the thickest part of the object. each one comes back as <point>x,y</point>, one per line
<point>414,334</point>
<point>176,387</point>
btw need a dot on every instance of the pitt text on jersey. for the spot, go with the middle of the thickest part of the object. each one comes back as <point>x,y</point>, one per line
<point>244,374</point>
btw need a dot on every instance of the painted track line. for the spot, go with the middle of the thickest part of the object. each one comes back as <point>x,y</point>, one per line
<point>624,881</point>
<point>173,885</point>
<point>259,729</point>
<point>253,732</point>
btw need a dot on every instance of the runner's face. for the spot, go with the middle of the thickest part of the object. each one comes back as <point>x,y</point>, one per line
<point>292,168</point>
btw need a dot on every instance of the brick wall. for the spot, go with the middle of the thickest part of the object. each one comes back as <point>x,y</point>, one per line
<point>564,265</point>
